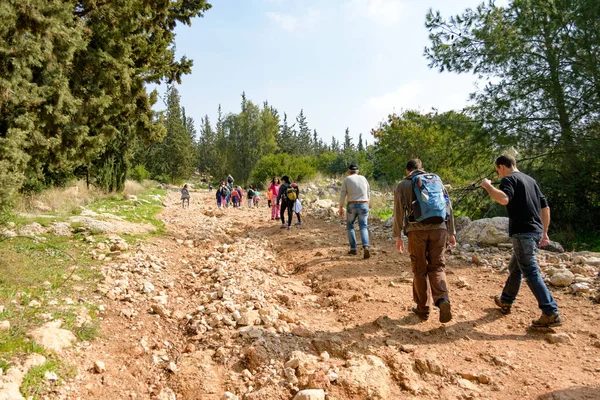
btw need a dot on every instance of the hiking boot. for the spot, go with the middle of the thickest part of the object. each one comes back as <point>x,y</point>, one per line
<point>445,311</point>
<point>353,252</point>
<point>366,253</point>
<point>283,226</point>
<point>547,321</point>
<point>423,316</point>
<point>504,307</point>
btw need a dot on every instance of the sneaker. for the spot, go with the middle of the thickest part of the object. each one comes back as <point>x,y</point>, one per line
<point>423,316</point>
<point>272,219</point>
<point>289,227</point>
<point>504,307</point>
<point>298,223</point>
<point>283,226</point>
<point>547,321</point>
<point>445,311</point>
<point>366,253</point>
<point>353,252</point>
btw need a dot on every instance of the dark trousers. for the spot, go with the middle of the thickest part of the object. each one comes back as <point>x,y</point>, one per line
<point>289,206</point>
<point>426,249</point>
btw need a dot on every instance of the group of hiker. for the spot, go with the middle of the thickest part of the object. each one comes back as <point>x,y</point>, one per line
<point>423,212</point>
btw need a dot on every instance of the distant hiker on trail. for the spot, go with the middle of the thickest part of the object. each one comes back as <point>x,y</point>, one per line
<point>185,196</point>
<point>286,197</point>
<point>256,198</point>
<point>422,209</point>
<point>240,192</point>
<point>210,187</point>
<point>529,219</point>
<point>269,198</point>
<point>274,190</point>
<point>235,198</point>
<point>224,195</point>
<point>250,196</point>
<point>356,188</point>
<point>219,197</point>
<point>297,205</point>
<point>230,180</point>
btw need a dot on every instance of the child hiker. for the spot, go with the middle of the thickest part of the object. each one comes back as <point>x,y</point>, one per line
<point>274,190</point>
<point>185,196</point>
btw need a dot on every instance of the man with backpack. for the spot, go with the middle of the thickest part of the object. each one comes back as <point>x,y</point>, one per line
<point>529,219</point>
<point>287,196</point>
<point>250,196</point>
<point>422,209</point>
<point>357,189</point>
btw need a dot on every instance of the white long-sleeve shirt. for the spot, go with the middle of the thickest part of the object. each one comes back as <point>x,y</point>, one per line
<point>356,188</point>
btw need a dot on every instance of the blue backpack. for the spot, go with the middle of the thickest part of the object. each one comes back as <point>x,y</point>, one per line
<point>429,206</point>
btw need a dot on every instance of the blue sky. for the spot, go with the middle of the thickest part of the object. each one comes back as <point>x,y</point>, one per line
<point>347,63</point>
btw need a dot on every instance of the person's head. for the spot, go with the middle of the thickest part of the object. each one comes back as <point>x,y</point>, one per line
<point>250,187</point>
<point>185,186</point>
<point>285,178</point>
<point>352,169</point>
<point>505,165</point>
<point>413,165</point>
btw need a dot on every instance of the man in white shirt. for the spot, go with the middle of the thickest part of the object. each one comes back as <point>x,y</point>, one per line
<point>356,188</point>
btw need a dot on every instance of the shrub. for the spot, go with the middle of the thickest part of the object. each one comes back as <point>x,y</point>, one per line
<point>297,168</point>
<point>139,173</point>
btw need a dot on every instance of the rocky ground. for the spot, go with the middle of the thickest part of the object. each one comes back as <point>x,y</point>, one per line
<point>228,306</point>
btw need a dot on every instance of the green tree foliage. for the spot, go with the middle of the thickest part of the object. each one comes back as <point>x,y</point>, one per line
<point>297,168</point>
<point>38,44</point>
<point>542,63</point>
<point>448,144</point>
<point>304,146</point>
<point>174,158</point>
<point>72,86</point>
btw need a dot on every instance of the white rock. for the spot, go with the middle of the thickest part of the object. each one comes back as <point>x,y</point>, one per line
<point>51,376</point>
<point>310,394</point>
<point>52,337</point>
<point>562,278</point>
<point>580,288</point>
<point>99,367</point>
<point>4,325</point>
<point>1,309</point>
<point>167,394</point>
<point>229,396</point>
<point>35,304</point>
<point>487,231</point>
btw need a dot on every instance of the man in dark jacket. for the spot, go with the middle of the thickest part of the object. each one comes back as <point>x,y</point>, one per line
<point>426,246</point>
<point>529,219</point>
<point>283,197</point>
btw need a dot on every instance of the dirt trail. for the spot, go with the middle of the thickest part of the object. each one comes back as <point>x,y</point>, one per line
<point>219,273</point>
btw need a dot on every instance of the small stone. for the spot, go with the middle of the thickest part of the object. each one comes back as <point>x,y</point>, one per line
<point>189,348</point>
<point>482,378</point>
<point>292,363</point>
<point>475,259</point>
<point>554,338</point>
<point>310,394</point>
<point>172,367</point>
<point>562,278</point>
<point>160,310</point>
<point>4,325</point>
<point>324,356</point>
<point>247,374</point>
<point>51,376</point>
<point>35,304</point>
<point>229,396</point>
<point>99,367</point>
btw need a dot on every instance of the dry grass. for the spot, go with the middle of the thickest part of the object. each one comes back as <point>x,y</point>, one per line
<point>60,199</point>
<point>132,188</point>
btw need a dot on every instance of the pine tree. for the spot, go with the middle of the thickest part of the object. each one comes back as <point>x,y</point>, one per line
<point>304,138</point>
<point>360,143</point>
<point>348,146</point>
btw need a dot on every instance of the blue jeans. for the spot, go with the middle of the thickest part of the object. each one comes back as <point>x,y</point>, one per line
<point>360,211</point>
<point>524,264</point>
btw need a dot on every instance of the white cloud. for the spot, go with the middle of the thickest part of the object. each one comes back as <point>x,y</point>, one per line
<point>293,23</point>
<point>385,12</point>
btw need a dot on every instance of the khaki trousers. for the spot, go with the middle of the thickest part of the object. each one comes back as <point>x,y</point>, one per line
<point>426,249</point>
